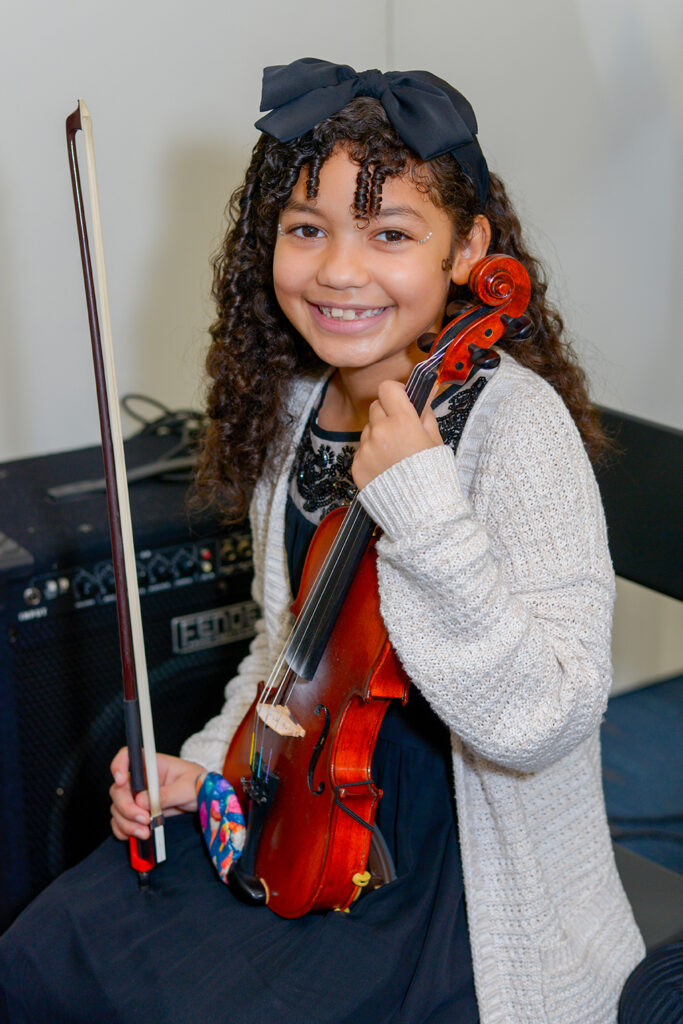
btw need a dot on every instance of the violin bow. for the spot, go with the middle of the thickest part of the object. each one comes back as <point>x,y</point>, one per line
<point>144,854</point>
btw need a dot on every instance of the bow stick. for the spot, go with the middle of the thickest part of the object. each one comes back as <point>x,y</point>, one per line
<point>136,700</point>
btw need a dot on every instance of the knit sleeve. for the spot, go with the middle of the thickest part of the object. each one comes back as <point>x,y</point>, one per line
<point>500,606</point>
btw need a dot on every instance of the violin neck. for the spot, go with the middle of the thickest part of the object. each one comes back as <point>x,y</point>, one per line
<point>316,621</point>
<point>317,618</point>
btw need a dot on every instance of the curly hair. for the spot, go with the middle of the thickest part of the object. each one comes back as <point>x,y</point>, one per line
<point>255,352</point>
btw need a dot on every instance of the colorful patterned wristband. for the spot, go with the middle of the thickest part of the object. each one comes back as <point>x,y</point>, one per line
<point>222,821</point>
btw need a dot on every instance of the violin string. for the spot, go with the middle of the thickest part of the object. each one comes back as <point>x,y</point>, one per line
<point>321,592</point>
<point>320,600</point>
<point>332,564</point>
<point>260,726</point>
<point>340,550</point>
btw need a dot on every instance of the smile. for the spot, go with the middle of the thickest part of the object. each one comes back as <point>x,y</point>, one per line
<point>335,313</point>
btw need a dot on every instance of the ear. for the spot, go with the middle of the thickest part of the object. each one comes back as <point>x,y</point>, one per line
<point>473,249</point>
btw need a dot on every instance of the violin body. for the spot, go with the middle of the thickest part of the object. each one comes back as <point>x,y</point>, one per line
<point>312,843</point>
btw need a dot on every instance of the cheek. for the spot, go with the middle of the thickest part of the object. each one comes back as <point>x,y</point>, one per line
<point>421,289</point>
<point>280,272</point>
<point>291,276</point>
<point>284,282</point>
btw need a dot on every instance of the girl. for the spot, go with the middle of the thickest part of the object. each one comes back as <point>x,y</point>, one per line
<point>366,205</point>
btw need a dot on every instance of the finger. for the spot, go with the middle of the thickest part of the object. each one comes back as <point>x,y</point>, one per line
<point>125,809</point>
<point>142,800</point>
<point>376,413</point>
<point>118,834</point>
<point>123,827</point>
<point>392,395</point>
<point>431,425</point>
<point>432,395</point>
<point>119,767</point>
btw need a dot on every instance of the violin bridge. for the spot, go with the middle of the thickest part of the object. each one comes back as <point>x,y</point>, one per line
<point>280,719</point>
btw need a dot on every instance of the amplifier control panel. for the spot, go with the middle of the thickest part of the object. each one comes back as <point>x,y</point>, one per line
<point>65,590</point>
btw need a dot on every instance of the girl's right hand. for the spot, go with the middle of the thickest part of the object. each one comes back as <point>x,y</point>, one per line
<point>177,782</point>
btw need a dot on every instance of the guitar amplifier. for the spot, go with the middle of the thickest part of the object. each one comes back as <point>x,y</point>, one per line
<point>60,670</point>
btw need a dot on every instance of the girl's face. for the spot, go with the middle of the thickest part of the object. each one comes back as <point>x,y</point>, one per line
<point>362,292</point>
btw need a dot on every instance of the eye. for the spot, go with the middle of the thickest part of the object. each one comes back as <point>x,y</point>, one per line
<point>392,236</point>
<point>305,231</point>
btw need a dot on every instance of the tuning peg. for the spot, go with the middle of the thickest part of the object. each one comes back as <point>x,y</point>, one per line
<point>484,358</point>
<point>518,328</point>
<point>425,341</point>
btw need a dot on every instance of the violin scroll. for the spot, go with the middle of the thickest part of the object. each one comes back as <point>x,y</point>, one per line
<point>498,280</point>
<point>502,286</point>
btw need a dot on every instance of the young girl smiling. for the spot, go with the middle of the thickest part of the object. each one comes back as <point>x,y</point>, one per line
<point>365,207</point>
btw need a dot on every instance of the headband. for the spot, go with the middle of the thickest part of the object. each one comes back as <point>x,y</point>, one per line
<point>430,116</point>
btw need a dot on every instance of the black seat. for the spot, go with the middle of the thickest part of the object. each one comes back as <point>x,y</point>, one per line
<point>642,491</point>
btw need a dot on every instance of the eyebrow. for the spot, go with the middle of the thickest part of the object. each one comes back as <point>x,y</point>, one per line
<point>391,211</point>
<point>398,211</point>
<point>299,207</point>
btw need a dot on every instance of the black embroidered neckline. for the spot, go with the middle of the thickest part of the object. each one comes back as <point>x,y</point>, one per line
<point>321,478</point>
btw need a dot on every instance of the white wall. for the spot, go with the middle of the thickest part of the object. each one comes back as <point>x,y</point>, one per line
<point>173,89</point>
<point>580,107</point>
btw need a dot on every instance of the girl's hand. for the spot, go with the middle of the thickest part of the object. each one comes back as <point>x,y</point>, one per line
<point>393,432</point>
<point>130,815</point>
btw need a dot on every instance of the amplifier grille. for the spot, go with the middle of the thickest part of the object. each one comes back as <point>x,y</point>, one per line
<point>65,674</point>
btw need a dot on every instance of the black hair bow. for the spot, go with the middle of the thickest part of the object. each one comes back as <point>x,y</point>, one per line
<point>430,116</point>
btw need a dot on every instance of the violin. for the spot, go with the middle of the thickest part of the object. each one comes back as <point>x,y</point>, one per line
<point>302,756</point>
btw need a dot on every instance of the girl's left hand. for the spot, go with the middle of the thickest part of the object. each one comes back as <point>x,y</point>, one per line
<point>393,432</point>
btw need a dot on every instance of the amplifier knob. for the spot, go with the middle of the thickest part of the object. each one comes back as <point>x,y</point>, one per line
<point>184,564</point>
<point>107,580</point>
<point>32,596</point>
<point>84,587</point>
<point>159,571</point>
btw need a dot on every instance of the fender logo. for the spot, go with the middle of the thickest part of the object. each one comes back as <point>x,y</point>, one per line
<point>213,627</point>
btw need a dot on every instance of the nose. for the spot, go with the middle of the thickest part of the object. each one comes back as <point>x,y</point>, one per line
<point>343,264</point>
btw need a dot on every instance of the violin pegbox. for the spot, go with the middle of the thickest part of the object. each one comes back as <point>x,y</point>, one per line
<point>502,286</point>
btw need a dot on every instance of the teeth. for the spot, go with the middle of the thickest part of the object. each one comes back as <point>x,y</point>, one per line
<point>349,314</point>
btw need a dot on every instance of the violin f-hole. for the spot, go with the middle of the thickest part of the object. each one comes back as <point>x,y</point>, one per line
<point>317,751</point>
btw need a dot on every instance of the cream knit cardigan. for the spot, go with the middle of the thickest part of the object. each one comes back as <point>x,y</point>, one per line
<point>497,591</point>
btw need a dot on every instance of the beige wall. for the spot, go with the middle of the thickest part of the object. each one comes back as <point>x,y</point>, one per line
<point>580,105</point>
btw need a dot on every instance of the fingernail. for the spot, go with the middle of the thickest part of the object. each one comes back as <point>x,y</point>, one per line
<point>118,776</point>
<point>141,833</point>
<point>142,819</point>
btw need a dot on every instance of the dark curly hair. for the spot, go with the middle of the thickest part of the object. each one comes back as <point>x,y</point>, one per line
<point>255,352</point>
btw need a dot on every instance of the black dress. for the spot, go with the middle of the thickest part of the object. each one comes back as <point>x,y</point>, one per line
<point>92,949</point>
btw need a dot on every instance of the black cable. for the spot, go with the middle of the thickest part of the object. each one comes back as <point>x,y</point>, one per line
<point>187,424</point>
